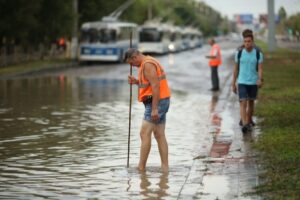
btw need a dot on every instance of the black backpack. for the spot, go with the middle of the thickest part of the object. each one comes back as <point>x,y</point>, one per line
<point>240,50</point>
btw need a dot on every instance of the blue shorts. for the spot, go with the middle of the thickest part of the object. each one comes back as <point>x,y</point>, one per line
<point>247,92</point>
<point>163,107</point>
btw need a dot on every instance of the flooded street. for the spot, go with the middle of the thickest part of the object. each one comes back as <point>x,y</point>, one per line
<point>63,135</point>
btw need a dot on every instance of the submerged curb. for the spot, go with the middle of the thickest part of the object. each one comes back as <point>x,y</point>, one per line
<point>50,68</point>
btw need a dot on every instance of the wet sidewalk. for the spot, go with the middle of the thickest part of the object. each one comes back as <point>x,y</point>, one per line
<point>228,170</point>
<point>210,158</point>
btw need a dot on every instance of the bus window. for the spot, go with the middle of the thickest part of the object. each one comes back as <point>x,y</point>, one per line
<point>150,35</point>
<point>166,35</point>
<point>84,36</point>
<point>89,35</point>
<point>107,35</point>
<point>125,33</point>
<point>173,37</point>
<point>93,35</point>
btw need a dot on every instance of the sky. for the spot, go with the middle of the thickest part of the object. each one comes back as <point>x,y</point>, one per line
<point>230,7</point>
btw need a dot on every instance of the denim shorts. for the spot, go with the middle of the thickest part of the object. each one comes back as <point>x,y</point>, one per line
<point>247,92</point>
<point>163,107</point>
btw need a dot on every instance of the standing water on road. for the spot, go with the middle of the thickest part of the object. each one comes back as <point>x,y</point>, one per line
<point>63,135</point>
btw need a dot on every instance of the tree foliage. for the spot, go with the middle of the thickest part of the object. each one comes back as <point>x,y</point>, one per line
<point>93,10</point>
<point>294,23</point>
<point>30,22</point>
<point>287,24</point>
<point>282,13</point>
<point>178,12</point>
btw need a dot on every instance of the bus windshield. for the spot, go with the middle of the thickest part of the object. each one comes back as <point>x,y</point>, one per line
<point>150,35</point>
<point>173,37</point>
<point>93,35</point>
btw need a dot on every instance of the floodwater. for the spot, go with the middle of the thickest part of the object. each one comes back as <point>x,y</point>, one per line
<point>63,135</point>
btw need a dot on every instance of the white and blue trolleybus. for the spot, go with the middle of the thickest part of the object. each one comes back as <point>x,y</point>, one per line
<point>106,40</point>
<point>154,38</point>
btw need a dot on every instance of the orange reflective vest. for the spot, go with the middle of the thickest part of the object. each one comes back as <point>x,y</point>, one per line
<point>215,51</point>
<point>145,88</point>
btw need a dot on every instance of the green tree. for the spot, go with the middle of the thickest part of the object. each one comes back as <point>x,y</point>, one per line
<point>18,19</point>
<point>30,22</point>
<point>179,12</point>
<point>138,11</point>
<point>94,10</point>
<point>55,20</point>
<point>294,23</point>
<point>282,13</point>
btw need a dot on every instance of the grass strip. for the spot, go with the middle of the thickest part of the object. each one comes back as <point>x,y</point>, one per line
<point>279,141</point>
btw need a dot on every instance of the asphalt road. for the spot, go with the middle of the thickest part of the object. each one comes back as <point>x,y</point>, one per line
<point>64,135</point>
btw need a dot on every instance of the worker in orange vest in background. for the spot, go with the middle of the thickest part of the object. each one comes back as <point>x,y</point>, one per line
<point>214,62</point>
<point>61,42</point>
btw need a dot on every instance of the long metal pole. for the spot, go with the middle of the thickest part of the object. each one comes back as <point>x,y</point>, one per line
<point>130,102</point>
<point>271,26</point>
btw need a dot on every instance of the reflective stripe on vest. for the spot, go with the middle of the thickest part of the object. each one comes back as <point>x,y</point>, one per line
<point>161,77</point>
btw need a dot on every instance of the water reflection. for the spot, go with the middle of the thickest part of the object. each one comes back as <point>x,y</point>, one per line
<point>65,136</point>
<point>154,187</point>
<point>214,101</point>
<point>62,136</point>
<point>221,144</point>
<point>58,134</point>
<point>61,89</point>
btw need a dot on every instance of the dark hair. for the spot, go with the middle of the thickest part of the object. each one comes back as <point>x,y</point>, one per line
<point>247,33</point>
<point>129,53</point>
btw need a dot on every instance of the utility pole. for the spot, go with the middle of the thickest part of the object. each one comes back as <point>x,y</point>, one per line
<point>271,26</point>
<point>74,41</point>
<point>150,11</point>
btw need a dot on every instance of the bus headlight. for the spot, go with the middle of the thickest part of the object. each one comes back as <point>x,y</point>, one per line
<point>171,47</point>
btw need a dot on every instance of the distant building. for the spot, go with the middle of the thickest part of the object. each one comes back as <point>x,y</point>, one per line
<point>244,18</point>
<point>244,21</point>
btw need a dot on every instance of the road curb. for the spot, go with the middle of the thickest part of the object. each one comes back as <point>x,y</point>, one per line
<point>50,68</point>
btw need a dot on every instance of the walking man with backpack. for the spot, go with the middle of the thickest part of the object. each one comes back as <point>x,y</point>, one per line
<point>247,78</point>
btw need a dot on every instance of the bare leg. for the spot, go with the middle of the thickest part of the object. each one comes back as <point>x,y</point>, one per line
<point>250,110</point>
<point>243,113</point>
<point>145,135</point>
<point>160,137</point>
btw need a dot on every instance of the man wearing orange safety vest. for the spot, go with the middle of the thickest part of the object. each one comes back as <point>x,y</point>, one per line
<point>154,92</point>
<point>214,62</point>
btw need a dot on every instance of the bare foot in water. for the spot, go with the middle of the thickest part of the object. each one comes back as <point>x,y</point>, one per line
<point>141,169</point>
<point>165,169</point>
